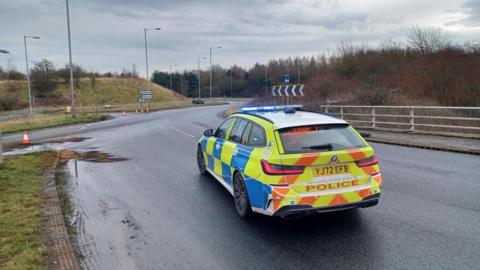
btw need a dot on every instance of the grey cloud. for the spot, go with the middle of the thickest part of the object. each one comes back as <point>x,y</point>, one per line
<point>108,34</point>
<point>471,9</point>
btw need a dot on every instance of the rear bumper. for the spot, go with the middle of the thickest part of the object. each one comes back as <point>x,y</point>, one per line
<point>291,210</point>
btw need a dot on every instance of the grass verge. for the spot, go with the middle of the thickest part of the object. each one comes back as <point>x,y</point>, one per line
<point>44,121</point>
<point>22,181</point>
<point>61,181</point>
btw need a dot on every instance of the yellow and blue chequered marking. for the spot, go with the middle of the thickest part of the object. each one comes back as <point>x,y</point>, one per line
<point>270,193</point>
<point>224,160</point>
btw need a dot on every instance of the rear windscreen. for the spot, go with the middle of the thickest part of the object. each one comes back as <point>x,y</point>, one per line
<point>319,138</point>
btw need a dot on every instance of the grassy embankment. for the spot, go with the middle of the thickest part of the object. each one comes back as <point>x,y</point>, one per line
<point>22,180</point>
<point>44,121</point>
<point>112,91</point>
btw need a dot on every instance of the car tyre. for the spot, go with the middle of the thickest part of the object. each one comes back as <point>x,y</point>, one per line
<point>202,167</point>
<point>240,197</point>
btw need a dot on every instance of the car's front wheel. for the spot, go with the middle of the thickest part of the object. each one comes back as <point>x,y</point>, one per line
<point>240,196</point>
<point>202,167</point>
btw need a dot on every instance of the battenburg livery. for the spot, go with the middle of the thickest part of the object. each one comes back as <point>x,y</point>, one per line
<point>282,161</point>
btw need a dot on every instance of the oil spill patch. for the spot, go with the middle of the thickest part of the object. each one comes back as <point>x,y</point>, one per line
<point>89,156</point>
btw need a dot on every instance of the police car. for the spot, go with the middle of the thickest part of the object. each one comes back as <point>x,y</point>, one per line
<point>283,161</point>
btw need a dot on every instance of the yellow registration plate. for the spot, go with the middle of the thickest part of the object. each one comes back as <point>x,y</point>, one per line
<point>330,170</point>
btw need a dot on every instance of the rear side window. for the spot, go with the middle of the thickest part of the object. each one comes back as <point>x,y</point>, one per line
<point>245,133</point>
<point>256,137</point>
<point>222,130</point>
<point>319,138</point>
<point>237,130</point>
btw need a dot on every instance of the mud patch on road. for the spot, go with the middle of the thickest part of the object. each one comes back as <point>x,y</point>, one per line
<point>68,139</point>
<point>89,156</point>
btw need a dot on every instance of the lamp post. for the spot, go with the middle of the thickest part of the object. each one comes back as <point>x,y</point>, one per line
<point>298,67</point>
<point>28,72</point>
<point>265,82</point>
<point>72,86</point>
<point>171,82</point>
<point>211,48</point>
<point>4,51</point>
<point>231,81</point>
<point>198,73</point>
<point>146,51</point>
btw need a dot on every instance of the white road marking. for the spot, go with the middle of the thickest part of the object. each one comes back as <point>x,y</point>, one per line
<point>183,132</point>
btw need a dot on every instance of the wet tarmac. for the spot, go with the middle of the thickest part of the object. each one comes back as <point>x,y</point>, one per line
<point>152,209</point>
<point>55,144</point>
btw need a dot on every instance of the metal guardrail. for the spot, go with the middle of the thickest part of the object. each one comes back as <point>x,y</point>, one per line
<point>426,119</point>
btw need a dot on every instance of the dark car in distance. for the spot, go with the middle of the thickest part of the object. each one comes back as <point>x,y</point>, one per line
<point>198,101</point>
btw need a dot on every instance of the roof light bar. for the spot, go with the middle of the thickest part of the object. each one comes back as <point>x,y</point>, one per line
<point>269,108</point>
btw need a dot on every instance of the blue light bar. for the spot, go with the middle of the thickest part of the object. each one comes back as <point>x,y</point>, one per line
<point>269,108</point>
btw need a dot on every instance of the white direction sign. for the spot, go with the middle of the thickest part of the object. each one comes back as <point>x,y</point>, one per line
<point>145,95</point>
<point>288,90</point>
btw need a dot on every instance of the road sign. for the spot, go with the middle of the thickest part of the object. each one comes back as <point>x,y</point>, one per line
<point>145,95</point>
<point>286,79</point>
<point>288,90</point>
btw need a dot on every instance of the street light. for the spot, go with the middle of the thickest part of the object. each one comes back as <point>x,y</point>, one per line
<point>72,85</point>
<point>298,67</point>
<point>211,48</point>
<point>28,72</point>
<point>4,51</point>
<point>231,81</point>
<point>265,82</point>
<point>171,83</point>
<point>198,73</point>
<point>146,51</point>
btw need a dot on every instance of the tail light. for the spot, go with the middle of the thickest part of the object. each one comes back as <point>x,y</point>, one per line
<point>275,169</point>
<point>368,161</point>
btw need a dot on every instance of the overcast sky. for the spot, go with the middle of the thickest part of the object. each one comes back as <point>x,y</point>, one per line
<point>108,34</point>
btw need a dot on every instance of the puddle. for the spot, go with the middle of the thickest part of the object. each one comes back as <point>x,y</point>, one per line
<point>89,156</point>
<point>65,155</point>
<point>13,148</point>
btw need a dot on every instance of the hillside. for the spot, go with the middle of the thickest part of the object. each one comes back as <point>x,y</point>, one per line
<point>13,94</point>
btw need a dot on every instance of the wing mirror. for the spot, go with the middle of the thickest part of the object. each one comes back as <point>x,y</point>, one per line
<point>208,133</point>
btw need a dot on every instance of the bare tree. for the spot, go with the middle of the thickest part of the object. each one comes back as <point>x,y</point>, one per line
<point>43,77</point>
<point>427,40</point>
<point>345,47</point>
<point>78,72</point>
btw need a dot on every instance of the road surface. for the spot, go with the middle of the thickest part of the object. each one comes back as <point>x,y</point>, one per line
<point>154,210</point>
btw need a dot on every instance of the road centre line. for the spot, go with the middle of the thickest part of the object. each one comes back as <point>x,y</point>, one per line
<point>183,132</point>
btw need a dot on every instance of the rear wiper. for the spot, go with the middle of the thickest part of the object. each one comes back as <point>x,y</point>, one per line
<point>319,146</point>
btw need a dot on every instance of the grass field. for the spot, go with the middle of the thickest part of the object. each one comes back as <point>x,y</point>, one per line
<point>115,91</point>
<point>21,186</point>
<point>43,121</point>
<point>105,91</point>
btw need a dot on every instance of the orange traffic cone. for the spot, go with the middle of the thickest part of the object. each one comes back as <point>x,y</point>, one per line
<point>25,140</point>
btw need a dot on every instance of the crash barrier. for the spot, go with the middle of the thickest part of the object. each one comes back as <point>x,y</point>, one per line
<point>462,121</point>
